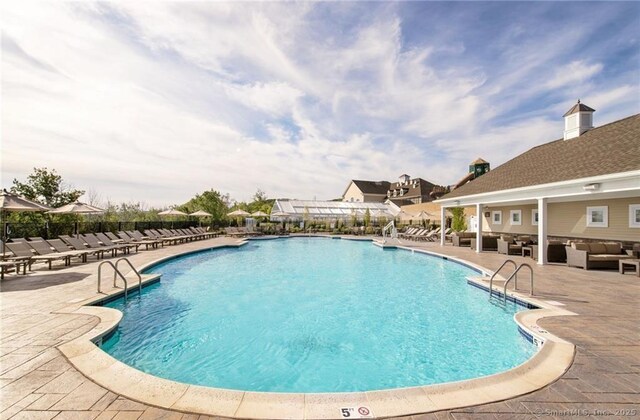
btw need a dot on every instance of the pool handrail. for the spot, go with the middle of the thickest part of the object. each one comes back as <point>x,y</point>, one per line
<point>495,273</point>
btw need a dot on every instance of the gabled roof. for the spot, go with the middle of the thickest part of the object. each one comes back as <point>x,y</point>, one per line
<point>579,108</point>
<point>422,188</point>
<point>612,148</point>
<point>372,187</point>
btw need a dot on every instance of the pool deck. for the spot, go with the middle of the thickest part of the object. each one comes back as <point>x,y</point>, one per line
<point>37,381</point>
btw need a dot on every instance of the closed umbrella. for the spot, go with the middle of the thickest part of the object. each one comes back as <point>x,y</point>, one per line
<point>77,208</point>
<point>10,203</point>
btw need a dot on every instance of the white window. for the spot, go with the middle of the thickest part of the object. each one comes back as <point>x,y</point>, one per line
<point>516,217</point>
<point>534,217</point>
<point>634,215</point>
<point>496,217</point>
<point>598,216</point>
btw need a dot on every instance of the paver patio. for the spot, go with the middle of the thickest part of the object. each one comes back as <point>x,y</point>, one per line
<point>37,382</point>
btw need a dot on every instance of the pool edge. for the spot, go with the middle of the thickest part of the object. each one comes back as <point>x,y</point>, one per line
<point>552,360</point>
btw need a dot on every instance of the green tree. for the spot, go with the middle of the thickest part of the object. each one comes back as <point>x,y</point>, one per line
<point>46,187</point>
<point>458,223</point>
<point>367,218</point>
<point>211,201</point>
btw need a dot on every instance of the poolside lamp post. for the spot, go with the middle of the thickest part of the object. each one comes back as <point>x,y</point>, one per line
<point>77,208</point>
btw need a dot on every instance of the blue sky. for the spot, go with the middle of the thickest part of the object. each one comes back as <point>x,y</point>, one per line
<point>156,102</point>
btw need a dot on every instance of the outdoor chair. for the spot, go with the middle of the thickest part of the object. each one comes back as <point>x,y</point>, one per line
<point>79,245</point>
<point>93,241</point>
<point>22,250</point>
<point>60,246</point>
<point>130,245</point>
<point>135,236</point>
<point>45,248</point>
<point>507,246</point>
<point>164,238</point>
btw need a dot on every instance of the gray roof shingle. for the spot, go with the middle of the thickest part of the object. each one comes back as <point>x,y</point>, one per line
<point>611,148</point>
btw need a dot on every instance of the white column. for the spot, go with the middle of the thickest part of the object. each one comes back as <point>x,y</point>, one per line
<point>443,221</point>
<point>542,231</point>
<point>479,228</point>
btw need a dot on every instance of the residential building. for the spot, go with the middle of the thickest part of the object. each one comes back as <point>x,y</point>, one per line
<point>359,191</point>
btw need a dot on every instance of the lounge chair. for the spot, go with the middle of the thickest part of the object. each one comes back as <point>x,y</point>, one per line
<point>415,236</point>
<point>43,247</point>
<point>79,245</point>
<point>60,246</point>
<point>163,238</point>
<point>431,236</point>
<point>93,241</point>
<point>135,236</point>
<point>15,263</point>
<point>22,250</point>
<point>106,241</point>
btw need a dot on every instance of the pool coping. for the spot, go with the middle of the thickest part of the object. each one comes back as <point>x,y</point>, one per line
<point>552,360</point>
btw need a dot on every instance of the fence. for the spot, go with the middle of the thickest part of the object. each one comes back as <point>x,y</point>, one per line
<point>53,230</point>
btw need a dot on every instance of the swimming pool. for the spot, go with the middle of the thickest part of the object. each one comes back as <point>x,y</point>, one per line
<point>315,315</point>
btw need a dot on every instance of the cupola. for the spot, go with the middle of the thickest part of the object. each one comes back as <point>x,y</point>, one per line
<point>479,167</point>
<point>578,120</point>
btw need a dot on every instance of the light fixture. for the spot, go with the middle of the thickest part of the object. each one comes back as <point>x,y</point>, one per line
<point>591,187</point>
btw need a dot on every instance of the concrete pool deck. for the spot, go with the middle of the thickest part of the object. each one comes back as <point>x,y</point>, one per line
<point>39,382</point>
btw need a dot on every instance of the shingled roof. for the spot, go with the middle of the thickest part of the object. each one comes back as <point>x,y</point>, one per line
<point>611,148</point>
<point>372,187</point>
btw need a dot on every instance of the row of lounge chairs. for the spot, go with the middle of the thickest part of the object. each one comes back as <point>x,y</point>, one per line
<point>420,234</point>
<point>24,253</point>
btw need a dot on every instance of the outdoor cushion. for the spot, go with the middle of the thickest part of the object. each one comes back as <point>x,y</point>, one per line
<point>613,247</point>
<point>554,242</point>
<point>507,238</point>
<point>580,246</point>
<point>597,248</point>
<point>608,257</point>
<point>524,238</point>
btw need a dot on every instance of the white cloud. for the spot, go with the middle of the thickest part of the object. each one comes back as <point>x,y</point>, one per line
<point>574,72</point>
<point>158,103</point>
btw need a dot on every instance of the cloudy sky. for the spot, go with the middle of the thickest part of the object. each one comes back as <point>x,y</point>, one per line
<point>159,101</point>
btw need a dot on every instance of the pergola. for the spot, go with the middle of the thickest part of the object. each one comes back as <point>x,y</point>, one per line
<point>331,210</point>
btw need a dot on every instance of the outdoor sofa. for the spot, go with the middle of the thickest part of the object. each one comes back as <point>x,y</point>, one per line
<point>463,238</point>
<point>590,255</point>
<point>489,243</point>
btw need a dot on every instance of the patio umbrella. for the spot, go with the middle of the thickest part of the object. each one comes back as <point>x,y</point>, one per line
<point>259,214</point>
<point>423,215</point>
<point>172,212</point>
<point>280,214</point>
<point>239,213</point>
<point>200,214</point>
<point>11,202</point>
<point>77,208</point>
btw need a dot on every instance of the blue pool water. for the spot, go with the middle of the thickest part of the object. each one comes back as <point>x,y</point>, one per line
<point>315,315</point>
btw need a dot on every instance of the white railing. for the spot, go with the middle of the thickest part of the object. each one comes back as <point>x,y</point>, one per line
<point>394,233</point>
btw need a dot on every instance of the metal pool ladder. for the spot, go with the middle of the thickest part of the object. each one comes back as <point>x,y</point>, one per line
<point>513,276</point>
<point>390,225</point>
<point>117,273</point>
